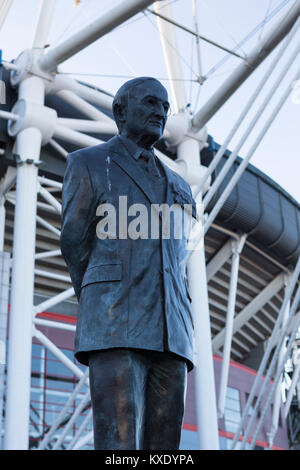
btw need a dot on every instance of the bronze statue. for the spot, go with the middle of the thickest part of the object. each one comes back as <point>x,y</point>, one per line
<point>135,326</point>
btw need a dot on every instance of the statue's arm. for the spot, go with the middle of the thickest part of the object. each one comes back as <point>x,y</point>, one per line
<point>78,216</point>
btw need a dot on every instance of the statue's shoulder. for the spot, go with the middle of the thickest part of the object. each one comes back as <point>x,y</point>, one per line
<point>91,155</point>
<point>177,182</point>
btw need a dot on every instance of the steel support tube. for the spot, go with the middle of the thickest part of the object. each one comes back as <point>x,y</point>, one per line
<point>83,106</point>
<point>9,116</point>
<point>244,70</point>
<point>20,330</point>
<point>28,146</point>
<point>8,181</point>
<point>84,423</point>
<point>57,352</point>
<point>4,9</point>
<point>289,398</point>
<point>11,197</point>
<point>92,95</point>
<point>86,398</point>
<point>2,223</point>
<point>271,368</point>
<point>270,345</point>
<point>10,66</point>
<point>251,308</point>
<point>169,45</point>
<point>74,137</point>
<point>84,440</point>
<point>49,198</point>
<point>95,96</point>
<point>250,128</point>
<point>206,409</point>
<point>254,96</point>
<point>237,248</point>
<point>58,148</point>
<point>291,327</point>
<point>43,23</point>
<point>48,226</point>
<point>49,182</point>
<point>92,32</point>
<point>218,260</point>
<point>83,381</point>
<point>89,126</point>
<point>279,372</point>
<point>277,399</point>
<point>50,275</point>
<point>54,324</point>
<point>198,48</point>
<point>48,254</point>
<point>238,173</point>
<point>174,165</point>
<point>5,263</point>
<point>207,419</point>
<point>66,294</point>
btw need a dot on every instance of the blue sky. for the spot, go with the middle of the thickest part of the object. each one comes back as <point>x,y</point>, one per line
<point>134,49</point>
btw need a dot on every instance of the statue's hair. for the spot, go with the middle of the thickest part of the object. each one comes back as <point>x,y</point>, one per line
<point>121,97</point>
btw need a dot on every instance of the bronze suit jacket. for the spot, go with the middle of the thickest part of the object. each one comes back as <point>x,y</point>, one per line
<point>114,279</point>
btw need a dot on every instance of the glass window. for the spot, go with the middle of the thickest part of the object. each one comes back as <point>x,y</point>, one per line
<point>232,412</point>
<point>231,426</point>
<point>233,404</point>
<point>233,393</point>
<point>232,415</point>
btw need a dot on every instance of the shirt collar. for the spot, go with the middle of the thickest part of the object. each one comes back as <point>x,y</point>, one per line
<point>134,149</point>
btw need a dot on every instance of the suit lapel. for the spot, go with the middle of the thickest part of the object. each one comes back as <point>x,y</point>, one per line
<point>120,155</point>
<point>169,184</point>
<point>124,160</point>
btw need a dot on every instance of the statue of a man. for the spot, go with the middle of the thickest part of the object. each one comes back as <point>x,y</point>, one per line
<point>135,326</point>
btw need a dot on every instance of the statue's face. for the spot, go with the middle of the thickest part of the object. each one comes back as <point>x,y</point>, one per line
<point>146,113</point>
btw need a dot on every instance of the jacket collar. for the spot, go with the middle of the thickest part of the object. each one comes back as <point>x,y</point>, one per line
<point>134,149</point>
<point>121,156</point>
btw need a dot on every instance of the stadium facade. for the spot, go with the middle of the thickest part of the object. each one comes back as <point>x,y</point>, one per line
<point>257,211</point>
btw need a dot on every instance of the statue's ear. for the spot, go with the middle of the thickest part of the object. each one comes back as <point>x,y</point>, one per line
<point>119,114</point>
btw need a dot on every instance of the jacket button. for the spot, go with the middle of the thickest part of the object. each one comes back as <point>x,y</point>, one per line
<point>167,270</point>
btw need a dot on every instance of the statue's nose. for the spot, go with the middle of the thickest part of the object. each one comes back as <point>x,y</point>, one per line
<point>160,110</point>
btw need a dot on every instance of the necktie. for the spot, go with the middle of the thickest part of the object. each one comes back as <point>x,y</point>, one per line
<point>151,167</point>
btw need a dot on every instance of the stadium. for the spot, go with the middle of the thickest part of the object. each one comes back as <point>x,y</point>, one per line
<point>244,392</point>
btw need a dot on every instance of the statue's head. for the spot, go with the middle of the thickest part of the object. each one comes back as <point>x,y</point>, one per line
<point>140,109</point>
